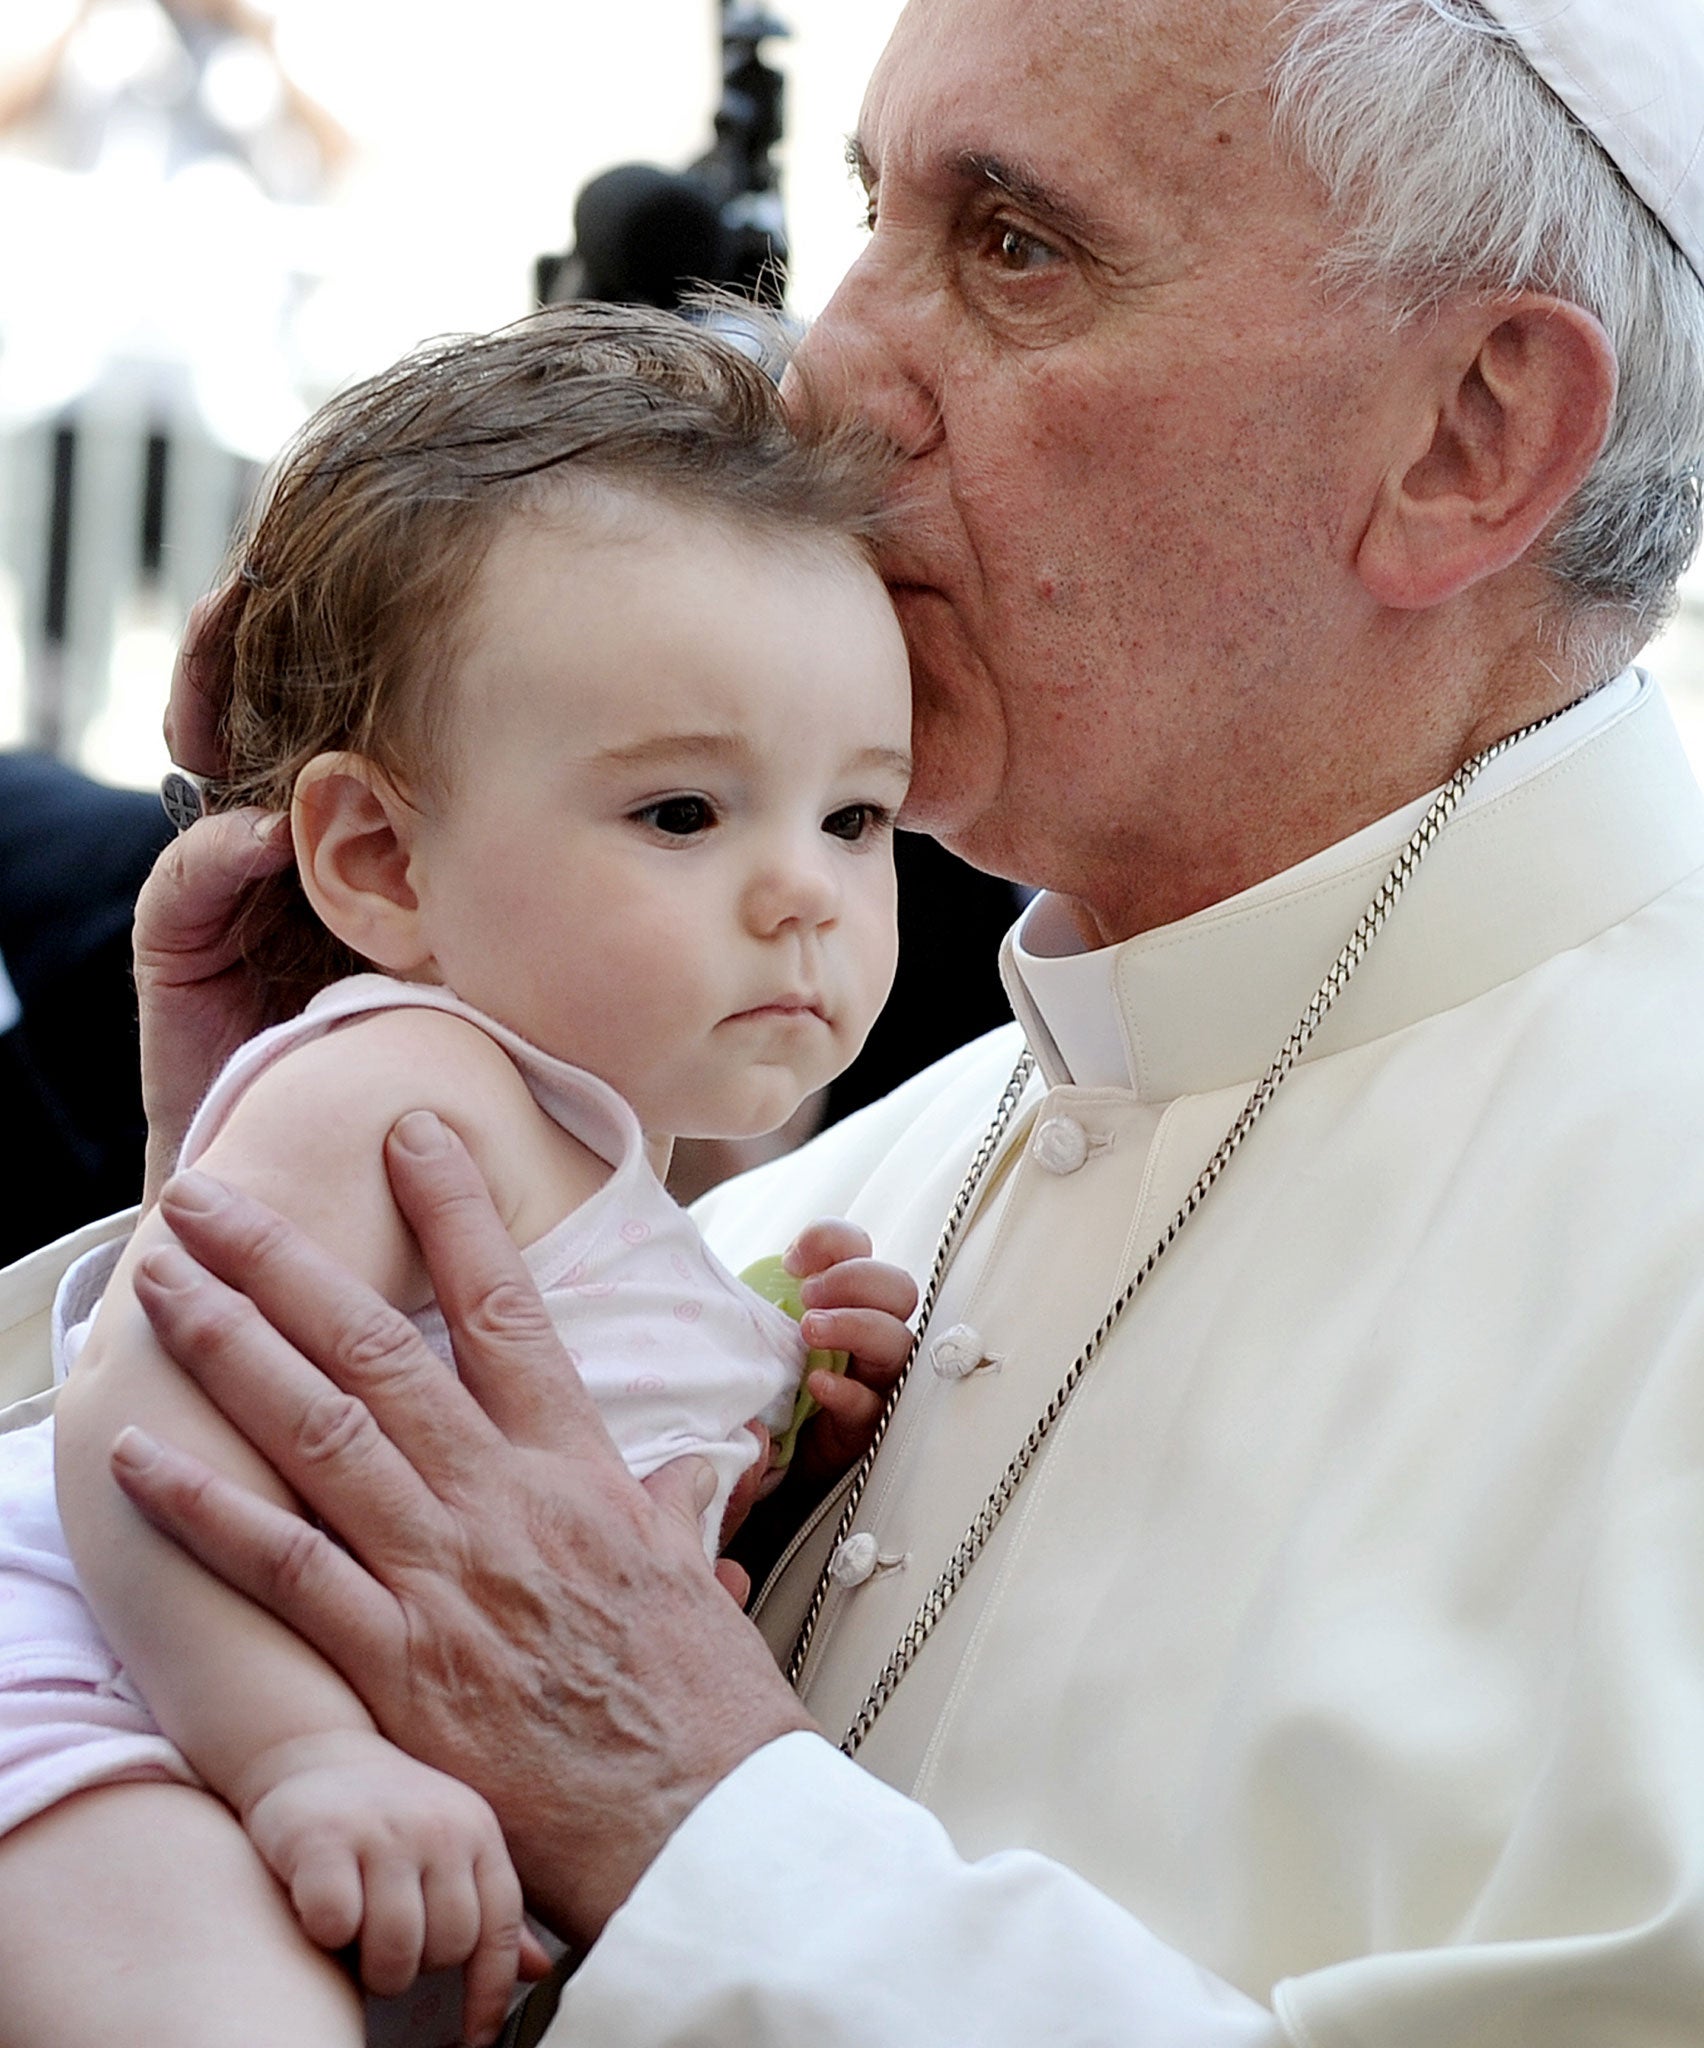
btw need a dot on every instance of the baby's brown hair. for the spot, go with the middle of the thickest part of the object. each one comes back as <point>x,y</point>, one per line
<point>338,626</point>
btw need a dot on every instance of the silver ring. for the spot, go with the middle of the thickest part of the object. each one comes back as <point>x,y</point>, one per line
<point>181,795</point>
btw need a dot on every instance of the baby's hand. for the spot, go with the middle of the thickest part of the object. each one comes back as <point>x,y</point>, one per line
<point>371,1844</point>
<point>853,1303</point>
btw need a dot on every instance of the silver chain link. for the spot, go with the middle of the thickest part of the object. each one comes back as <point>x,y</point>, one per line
<point>987,1517</point>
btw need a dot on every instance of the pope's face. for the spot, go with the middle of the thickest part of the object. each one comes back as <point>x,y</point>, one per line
<point>1089,313</point>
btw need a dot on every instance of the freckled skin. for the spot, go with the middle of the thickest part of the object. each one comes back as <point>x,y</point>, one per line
<point>1145,445</point>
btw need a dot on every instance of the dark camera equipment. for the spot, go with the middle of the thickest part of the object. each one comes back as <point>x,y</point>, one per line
<point>644,236</point>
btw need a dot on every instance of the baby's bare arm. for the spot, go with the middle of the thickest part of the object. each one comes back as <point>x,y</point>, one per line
<point>225,1681</point>
<point>264,1719</point>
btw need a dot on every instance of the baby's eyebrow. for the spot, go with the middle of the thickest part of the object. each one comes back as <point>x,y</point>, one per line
<point>675,746</point>
<point>895,759</point>
<point>730,747</point>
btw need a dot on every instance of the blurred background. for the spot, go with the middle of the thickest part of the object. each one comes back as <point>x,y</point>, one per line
<point>215,212</point>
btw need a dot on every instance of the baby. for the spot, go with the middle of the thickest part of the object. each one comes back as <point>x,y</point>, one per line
<point>592,719</point>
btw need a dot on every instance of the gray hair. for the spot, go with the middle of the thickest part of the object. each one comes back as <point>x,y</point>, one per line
<point>1453,167</point>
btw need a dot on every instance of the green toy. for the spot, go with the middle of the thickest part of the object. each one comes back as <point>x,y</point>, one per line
<point>771,1279</point>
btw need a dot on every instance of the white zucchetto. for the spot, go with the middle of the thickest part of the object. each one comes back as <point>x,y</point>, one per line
<point>1632,71</point>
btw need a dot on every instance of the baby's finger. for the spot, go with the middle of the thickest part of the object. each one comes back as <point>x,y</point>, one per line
<point>825,1243</point>
<point>494,1960</point>
<point>325,1889</point>
<point>879,1343</point>
<point>841,1432</point>
<point>861,1283</point>
<point>393,1928</point>
<point>450,1900</point>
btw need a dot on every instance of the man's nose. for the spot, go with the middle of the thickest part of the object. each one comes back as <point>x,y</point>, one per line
<point>866,356</point>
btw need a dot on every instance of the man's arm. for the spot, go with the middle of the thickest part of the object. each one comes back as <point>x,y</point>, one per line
<point>805,1891</point>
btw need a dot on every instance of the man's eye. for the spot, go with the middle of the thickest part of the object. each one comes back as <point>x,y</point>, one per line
<point>856,821</point>
<point>1015,250</point>
<point>680,817</point>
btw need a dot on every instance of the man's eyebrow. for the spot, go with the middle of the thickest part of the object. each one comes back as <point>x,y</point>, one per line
<point>1031,191</point>
<point>1018,181</point>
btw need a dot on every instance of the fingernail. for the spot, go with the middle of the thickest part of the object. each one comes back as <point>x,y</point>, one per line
<point>421,1133</point>
<point>814,1330</point>
<point>703,1484</point>
<point>169,1268</point>
<point>789,1257</point>
<point>199,1193</point>
<point>135,1450</point>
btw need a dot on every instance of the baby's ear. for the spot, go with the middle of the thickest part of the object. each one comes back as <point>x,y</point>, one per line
<point>353,830</point>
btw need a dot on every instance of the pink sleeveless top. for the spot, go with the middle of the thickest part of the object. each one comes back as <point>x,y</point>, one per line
<point>676,1353</point>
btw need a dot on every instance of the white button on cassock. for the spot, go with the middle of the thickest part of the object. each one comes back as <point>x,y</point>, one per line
<point>855,1560</point>
<point>1060,1144</point>
<point>957,1352</point>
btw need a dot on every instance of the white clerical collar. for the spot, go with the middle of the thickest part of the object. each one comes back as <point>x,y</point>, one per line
<point>1559,838</point>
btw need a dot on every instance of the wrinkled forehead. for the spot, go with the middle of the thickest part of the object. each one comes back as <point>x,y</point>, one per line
<point>1151,102</point>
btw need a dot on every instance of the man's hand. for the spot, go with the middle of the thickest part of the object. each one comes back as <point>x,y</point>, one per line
<point>512,1606</point>
<point>192,709</point>
<point>376,1848</point>
<point>196,999</point>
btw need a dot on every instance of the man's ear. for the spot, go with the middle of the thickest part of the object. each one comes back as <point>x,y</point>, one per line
<point>1517,409</point>
<point>353,831</point>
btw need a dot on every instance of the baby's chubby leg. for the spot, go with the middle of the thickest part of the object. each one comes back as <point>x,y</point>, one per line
<point>142,1913</point>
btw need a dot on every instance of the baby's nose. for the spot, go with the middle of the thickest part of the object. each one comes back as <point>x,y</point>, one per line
<point>795,887</point>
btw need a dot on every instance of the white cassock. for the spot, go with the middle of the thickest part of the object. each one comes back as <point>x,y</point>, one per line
<point>1337,1677</point>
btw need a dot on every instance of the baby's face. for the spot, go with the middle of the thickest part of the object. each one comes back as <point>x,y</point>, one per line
<point>665,848</point>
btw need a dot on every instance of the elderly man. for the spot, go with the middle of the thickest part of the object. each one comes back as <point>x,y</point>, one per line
<point>1273,1611</point>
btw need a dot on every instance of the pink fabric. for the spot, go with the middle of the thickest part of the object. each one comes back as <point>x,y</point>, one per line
<point>68,1719</point>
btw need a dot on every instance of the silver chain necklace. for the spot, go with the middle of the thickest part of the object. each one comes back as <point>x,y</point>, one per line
<point>987,1517</point>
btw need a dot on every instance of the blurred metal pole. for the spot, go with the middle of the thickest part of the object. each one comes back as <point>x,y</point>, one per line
<point>739,168</point>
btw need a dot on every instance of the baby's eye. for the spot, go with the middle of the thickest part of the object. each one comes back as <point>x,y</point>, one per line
<point>857,821</point>
<point>680,817</point>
